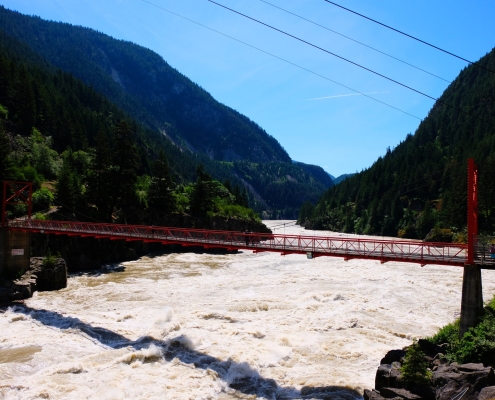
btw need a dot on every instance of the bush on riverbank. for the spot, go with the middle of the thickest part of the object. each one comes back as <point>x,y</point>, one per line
<point>477,345</point>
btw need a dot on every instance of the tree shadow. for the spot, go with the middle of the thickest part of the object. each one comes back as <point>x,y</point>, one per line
<point>239,376</point>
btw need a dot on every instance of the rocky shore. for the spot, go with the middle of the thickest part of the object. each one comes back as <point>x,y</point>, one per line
<point>450,381</point>
<point>38,277</point>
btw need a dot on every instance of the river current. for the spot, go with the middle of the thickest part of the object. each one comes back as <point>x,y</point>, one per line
<point>203,326</point>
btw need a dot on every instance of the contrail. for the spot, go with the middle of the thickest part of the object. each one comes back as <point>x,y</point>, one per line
<point>344,95</point>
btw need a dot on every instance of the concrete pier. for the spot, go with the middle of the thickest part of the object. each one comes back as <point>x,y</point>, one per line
<point>15,249</point>
<point>472,298</point>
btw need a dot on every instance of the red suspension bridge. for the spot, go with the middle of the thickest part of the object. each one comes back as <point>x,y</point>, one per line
<point>380,249</point>
<point>313,246</point>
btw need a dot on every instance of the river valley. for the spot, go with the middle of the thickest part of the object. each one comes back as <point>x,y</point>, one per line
<point>204,326</point>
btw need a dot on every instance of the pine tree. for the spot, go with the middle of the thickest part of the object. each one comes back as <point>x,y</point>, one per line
<point>6,163</point>
<point>100,179</point>
<point>201,197</point>
<point>161,198</point>
<point>68,186</point>
<point>126,162</point>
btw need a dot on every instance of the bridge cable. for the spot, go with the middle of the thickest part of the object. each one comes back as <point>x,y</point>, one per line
<point>347,60</point>
<point>410,36</point>
<point>356,41</point>
<point>284,60</point>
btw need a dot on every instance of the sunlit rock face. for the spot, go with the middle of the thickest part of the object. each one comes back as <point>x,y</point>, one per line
<point>199,326</point>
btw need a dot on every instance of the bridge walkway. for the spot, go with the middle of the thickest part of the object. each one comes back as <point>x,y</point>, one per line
<point>380,249</point>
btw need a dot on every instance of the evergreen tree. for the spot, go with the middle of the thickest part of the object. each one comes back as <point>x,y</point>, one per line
<point>201,197</point>
<point>68,186</point>
<point>161,198</point>
<point>425,222</point>
<point>6,163</point>
<point>100,179</point>
<point>126,162</point>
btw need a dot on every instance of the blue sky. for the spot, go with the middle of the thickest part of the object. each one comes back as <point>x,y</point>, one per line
<point>315,120</point>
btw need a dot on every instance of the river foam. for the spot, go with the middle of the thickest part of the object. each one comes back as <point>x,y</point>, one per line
<point>202,326</point>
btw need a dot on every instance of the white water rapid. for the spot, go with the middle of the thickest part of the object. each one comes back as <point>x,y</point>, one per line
<point>203,326</point>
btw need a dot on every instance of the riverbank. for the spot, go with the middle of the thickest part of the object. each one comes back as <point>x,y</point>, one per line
<point>226,326</point>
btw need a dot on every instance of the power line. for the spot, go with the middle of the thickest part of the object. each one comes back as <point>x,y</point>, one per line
<point>345,59</point>
<point>410,36</point>
<point>283,59</point>
<point>356,41</point>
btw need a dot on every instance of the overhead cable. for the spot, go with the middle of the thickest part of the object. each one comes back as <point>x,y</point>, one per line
<point>356,41</point>
<point>410,36</point>
<point>345,59</point>
<point>283,59</point>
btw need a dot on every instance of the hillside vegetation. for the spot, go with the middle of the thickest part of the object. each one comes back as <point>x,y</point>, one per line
<point>170,110</point>
<point>422,183</point>
<point>88,157</point>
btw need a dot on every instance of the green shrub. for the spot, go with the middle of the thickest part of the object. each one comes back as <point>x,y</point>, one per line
<point>39,217</point>
<point>42,199</point>
<point>477,345</point>
<point>4,113</point>
<point>49,260</point>
<point>414,369</point>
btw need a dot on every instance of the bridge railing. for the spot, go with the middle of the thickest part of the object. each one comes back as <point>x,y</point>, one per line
<point>348,247</point>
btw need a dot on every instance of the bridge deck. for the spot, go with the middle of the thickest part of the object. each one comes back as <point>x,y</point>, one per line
<point>383,250</point>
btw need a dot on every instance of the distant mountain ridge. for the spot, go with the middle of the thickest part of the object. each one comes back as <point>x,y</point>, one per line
<point>174,109</point>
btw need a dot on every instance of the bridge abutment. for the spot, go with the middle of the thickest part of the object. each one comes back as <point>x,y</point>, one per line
<point>472,298</point>
<point>15,249</point>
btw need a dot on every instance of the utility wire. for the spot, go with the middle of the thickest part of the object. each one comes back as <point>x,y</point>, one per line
<point>410,36</point>
<point>283,59</point>
<point>356,41</point>
<point>347,60</point>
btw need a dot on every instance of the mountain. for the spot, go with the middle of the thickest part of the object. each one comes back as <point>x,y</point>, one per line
<point>170,106</point>
<point>341,178</point>
<point>420,187</point>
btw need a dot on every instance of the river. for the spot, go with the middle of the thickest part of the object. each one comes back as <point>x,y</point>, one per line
<point>203,326</point>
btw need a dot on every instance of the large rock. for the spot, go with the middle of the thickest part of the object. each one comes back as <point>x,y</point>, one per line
<point>393,356</point>
<point>392,393</point>
<point>37,278</point>
<point>52,277</point>
<point>387,375</point>
<point>487,393</point>
<point>372,395</point>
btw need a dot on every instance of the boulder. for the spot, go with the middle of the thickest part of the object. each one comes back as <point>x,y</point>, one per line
<point>487,393</point>
<point>37,278</point>
<point>49,278</point>
<point>449,391</point>
<point>392,356</point>
<point>392,393</point>
<point>387,375</point>
<point>472,367</point>
<point>372,395</point>
<point>382,377</point>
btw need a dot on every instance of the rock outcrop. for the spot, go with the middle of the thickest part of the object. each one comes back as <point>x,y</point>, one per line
<point>38,278</point>
<point>449,380</point>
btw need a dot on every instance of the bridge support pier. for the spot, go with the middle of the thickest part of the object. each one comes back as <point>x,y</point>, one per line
<point>472,298</point>
<point>15,249</point>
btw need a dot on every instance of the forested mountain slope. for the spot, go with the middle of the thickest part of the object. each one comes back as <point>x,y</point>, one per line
<point>94,162</point>
<point>147,88</point>
<point>422,183</point>
<point>170,109</point>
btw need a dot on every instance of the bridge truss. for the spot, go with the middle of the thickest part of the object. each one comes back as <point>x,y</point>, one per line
<point>352,247</point>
